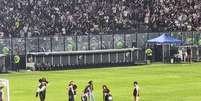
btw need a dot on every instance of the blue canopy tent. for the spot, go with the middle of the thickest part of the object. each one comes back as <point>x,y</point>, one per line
<point>165,39</point>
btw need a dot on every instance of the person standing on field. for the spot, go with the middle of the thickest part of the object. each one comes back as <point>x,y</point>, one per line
<point>89,91</point>
<point>149,54</point>
<point>41,91</point>
<point>189,55</point>
<point>1,92</point>
<point>106,94</point>
<point>84,95</point>
<point>71,91</point>
<point>136,94</point>
<point>17,62</point>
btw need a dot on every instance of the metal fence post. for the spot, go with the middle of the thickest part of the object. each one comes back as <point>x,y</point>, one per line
<point>89,42</point>
<point>64,41</point>
<point>136,39</point>
<point>193,38</point>
<point>25,46</point>
<point>38,44</point>
<point>76,39</point>
<point>101,39</point>
<point>51,38</point>
<point>11,57</point>
<point>147,36</point>
<point>125,41</point>
<point>113,46</point>
<point>182,37</point>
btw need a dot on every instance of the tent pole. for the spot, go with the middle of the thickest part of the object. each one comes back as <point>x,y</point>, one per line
<point>197,53</point>
<point>145,58</point>
<point>163,54</point>
<point>169,51</point>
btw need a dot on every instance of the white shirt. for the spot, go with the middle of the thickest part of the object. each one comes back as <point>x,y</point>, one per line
<point>41,89</point>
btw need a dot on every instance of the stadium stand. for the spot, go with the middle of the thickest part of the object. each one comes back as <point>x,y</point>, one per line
<point>20,18</point>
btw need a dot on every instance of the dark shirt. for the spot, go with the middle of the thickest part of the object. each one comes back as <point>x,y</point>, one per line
<point>106,91</point>
<point>106,94</point>
<point>135,92</point>
<point>189,51</point>
<point>70,90</point>
<point>84,98</point>
<point>42,93</point>
<point>88,89</point>
<point>1,96</point>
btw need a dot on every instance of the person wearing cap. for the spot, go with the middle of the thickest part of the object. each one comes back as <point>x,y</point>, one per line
<point>136,91</point>
<point>1,92</point>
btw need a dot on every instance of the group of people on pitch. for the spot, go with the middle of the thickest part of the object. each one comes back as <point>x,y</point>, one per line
<point>87,94</point>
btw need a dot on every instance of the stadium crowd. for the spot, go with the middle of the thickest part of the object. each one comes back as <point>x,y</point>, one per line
<point>20,18</point>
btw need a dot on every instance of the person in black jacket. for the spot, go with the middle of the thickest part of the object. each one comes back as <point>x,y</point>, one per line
<point>90,89</point>
<point>88,92</point>
<point>85,93</point>
<point>72,91</point>
<point>106,94</point>
<point>136,91</point>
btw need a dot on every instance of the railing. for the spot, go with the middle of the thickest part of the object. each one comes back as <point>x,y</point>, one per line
<point>22,46</point>
<point>88,42</point>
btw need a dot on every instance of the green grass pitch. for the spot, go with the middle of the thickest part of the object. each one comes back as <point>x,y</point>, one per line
<point>158,82</point>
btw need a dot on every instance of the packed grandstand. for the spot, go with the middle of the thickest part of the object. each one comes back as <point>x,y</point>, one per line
<point>75,17</point>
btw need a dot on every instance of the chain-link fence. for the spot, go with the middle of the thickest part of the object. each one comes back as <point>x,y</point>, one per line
<point>89,42</point>
<point>23,46</point>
